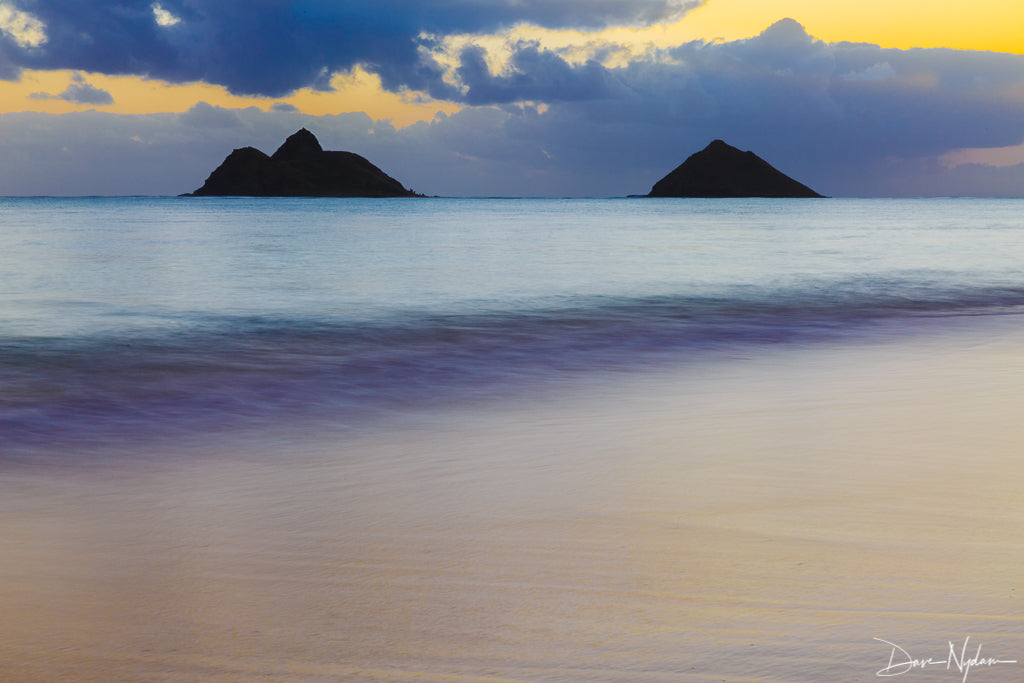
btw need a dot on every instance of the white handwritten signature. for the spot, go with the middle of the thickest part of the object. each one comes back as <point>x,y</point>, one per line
<point>900,661</point>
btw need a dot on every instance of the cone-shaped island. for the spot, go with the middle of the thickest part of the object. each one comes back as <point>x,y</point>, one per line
<point>721,170</point>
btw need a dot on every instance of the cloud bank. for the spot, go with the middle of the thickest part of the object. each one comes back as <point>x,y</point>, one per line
<point>266,47</point>
<point>846,119</point>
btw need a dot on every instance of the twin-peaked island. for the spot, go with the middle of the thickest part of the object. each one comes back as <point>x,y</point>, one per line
<point>301,168</point>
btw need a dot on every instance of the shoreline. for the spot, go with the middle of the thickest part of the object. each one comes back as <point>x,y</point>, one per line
<point>761,516</point>
<point>242,383</point>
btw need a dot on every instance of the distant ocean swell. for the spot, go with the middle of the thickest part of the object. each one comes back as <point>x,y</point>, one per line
<point>220,372</point>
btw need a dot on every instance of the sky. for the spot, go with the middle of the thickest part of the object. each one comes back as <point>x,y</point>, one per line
<point>515,97</point>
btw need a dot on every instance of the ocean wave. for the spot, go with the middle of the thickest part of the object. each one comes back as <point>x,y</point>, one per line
<point>216,372</point>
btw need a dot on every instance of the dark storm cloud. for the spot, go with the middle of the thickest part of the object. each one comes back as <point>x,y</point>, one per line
<point>270,47</point>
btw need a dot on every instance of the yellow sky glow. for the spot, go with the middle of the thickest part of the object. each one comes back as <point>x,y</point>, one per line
<point>978,25</point>
<point>356,92</point>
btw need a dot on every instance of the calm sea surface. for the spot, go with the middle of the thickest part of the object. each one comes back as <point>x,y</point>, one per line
<point>511,440</point>
<point>125,316</point>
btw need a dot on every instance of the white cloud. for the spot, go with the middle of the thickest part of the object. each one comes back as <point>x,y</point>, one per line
<point>25,29</point>
<point>163,17</point>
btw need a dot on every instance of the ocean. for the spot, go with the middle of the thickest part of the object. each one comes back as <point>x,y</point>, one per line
<point>510,439</point>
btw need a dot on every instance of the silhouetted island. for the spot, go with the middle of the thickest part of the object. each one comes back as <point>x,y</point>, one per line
<point>721,170</point>
<point>299,168</point>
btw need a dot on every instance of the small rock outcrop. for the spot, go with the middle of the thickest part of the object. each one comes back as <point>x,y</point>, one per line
<point>299,168</point>
<point>721,170</point>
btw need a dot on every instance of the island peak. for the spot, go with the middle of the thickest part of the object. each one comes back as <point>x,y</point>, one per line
<point>300,145</point>
<point>299,168</point>
<point>721,170</point>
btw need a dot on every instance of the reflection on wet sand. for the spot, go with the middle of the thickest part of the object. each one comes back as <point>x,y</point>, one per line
<point>760,518</point>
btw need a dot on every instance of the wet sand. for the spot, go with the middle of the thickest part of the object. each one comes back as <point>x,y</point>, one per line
<point>760,517</point>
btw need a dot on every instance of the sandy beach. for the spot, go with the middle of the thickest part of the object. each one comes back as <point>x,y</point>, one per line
<point>764,516</point>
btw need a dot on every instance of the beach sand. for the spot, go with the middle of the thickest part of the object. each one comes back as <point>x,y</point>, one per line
<point>761,516</point>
